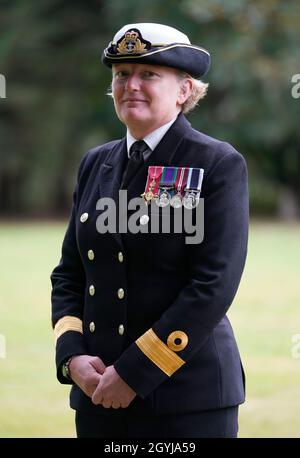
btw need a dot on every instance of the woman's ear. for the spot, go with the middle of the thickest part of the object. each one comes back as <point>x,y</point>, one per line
<point>185,90</point>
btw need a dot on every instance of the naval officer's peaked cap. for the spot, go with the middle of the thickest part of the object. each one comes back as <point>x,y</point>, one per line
<point>156,44</point>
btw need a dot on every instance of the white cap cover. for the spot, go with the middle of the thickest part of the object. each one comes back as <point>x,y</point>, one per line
<point>156,44</point>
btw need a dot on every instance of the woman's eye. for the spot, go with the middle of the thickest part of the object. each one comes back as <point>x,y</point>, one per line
<point>149,74</point>
<point>120,74</point>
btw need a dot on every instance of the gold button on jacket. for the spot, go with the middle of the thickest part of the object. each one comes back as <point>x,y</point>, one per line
<point>84,217</point>
<point>91,255</point>
<point>92,326</point>
<point>121,293</point>
<point>92,290</point>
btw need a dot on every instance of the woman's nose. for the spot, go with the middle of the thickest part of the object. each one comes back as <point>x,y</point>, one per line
<point>133,83</point>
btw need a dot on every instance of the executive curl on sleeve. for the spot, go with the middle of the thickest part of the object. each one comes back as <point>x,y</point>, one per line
<point>215,269</point>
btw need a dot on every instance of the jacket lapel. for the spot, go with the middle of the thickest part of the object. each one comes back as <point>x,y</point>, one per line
<point>171,142</point>
<point>110,177</point>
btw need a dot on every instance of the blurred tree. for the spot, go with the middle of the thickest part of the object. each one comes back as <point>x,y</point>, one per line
<point>49,52</point>
<point>56,109</point>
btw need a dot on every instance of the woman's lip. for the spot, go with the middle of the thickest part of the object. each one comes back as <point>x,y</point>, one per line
<point>134,100</point>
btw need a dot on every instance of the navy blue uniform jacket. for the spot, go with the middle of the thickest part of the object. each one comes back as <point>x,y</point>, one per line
<point>167,285</point>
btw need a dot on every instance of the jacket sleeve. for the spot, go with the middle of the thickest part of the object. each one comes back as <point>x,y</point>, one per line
<point>68,289</point>
<point>215,269</point>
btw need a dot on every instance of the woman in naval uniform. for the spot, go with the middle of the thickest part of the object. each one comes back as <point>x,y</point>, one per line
<point>139,316</point>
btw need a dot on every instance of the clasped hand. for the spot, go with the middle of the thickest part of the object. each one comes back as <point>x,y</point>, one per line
<point>102,384</point>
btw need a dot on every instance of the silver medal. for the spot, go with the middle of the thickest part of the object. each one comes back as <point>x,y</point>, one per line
<point>176,201</point>
<point>163,199</point>
<point>190,200</point>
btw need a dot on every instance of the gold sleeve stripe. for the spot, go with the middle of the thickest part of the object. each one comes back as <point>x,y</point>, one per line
<point>158,352</point>
<point>67,323</point>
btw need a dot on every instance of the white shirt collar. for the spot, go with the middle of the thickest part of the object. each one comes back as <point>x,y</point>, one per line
<point>151,139</point>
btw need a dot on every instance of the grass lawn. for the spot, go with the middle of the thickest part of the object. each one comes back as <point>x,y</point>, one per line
<point>265,315</point>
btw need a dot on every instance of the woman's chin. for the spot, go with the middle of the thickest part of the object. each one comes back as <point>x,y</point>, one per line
<point>135,116</point>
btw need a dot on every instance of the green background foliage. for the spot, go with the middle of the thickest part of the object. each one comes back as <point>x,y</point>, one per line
<point>56,106</point>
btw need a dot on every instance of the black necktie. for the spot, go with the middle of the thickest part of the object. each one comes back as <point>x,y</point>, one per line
<point>136,159</point>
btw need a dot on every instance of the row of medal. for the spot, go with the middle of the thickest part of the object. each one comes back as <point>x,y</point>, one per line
<point>176,186</point>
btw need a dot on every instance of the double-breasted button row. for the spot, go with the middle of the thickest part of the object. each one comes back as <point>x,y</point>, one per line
<point>121,292</point>
<point>91,255</point>
<point>92,328</point>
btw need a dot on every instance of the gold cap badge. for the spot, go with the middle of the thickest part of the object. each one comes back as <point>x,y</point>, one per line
<point>131,42</point>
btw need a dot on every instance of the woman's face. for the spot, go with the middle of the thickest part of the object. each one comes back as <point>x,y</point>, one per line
<point>145,96</point>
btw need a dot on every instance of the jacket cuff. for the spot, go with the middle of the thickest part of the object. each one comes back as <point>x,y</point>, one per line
<point>69,344</point>
<point>147,363</point>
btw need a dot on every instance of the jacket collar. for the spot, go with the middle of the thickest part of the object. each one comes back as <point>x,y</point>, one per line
<point>164,151</point>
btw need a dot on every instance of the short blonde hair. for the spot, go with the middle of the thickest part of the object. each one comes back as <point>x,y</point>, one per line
<point>199,91</point>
